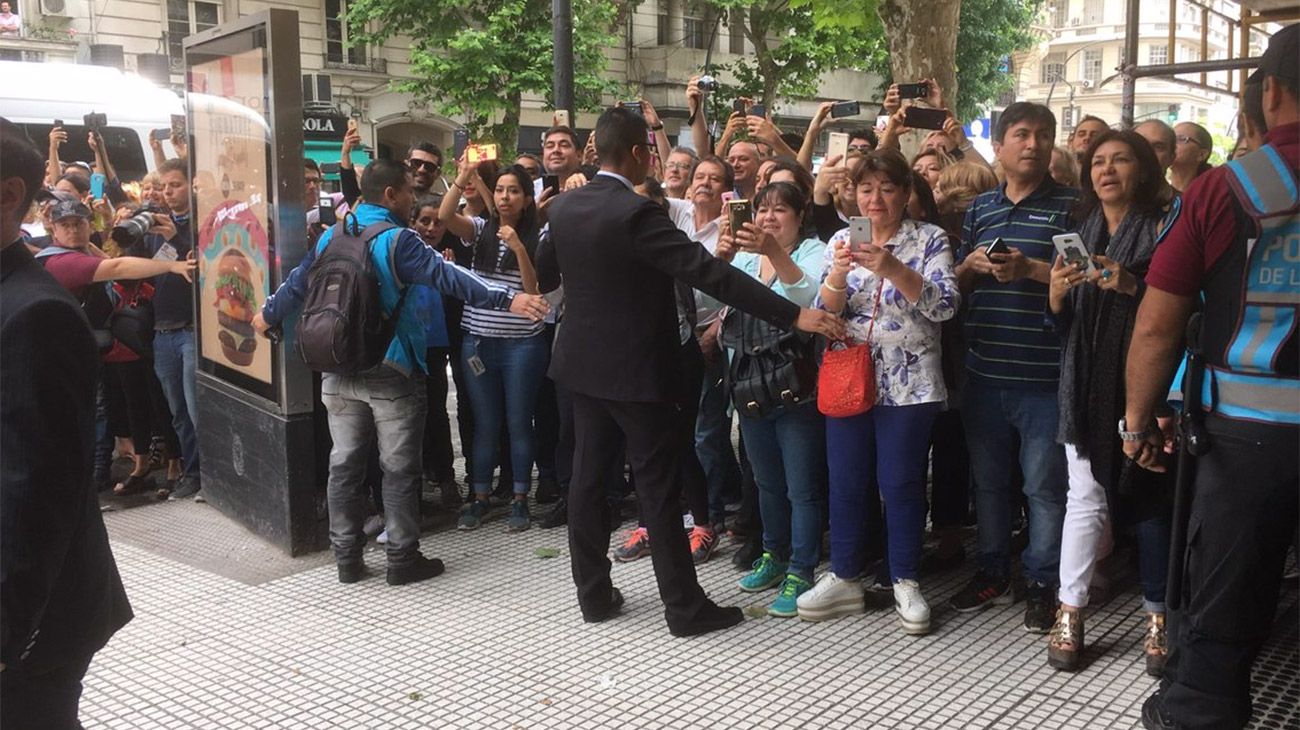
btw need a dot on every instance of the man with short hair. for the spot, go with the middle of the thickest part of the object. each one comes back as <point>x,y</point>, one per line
<point>1013,364</point>
<point>311,181</point>
<point>561,153</point>
<point>175,359</point>
<point>1162,139</point>
<point>678,169</point>
<point>1088,129</point>
<point>61,597</point>
<point>388,400</point>
<point>1230,253</point>
<point>744,160</point>
<point>619,354</point>
<point>530,162</point>
<point>424,160</point>
<point>862,140</point>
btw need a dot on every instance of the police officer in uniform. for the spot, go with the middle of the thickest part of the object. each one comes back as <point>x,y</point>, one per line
<point>1236,245</point>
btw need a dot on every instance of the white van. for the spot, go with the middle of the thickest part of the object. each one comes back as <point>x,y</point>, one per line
<point>35,95</point>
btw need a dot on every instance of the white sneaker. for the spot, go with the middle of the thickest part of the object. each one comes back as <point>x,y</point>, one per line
<point>912,609</point>
<point>832,597</point>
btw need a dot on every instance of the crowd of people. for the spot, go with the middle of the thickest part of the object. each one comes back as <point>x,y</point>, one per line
<point>997,360</point>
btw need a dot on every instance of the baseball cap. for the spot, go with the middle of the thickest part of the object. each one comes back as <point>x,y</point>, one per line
<point>46,195</point>
<point>67,209</point>
<point>1282,58</point>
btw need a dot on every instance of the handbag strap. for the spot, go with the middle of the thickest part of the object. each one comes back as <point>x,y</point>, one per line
<point>880,290</point>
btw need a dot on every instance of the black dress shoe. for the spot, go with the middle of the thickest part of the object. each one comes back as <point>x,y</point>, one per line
<point>352,572</point>
<point>713,620</point>
<point>747,554</point>
<point>615,604</point>
<point>421,569</point>
<point>1154,716</point>
<point>558,516</point>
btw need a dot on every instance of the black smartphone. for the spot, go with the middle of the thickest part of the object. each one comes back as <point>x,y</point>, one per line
<point>739,212</point>
<point>552,183</point>
<point>95,121</point>
<point>919,90</point>
<point>634,106</point>
<point>845,109</point>
<point>329,168</point>
<point>997,246</point>
<point>178,125</point>
<point>460,142</point>
<point>921,118</point>
<point>325,204</point>
<point>738,106</point>
<point>58,122</point>
<point>162,135</point>
<point>758,110</point>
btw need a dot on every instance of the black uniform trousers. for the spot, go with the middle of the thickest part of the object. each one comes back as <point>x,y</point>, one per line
<point>45,701</point>
<point>1244,514</point>
<point>652,434</point>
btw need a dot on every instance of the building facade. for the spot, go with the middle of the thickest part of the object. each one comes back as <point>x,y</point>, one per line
<point>664,43</point>
<point>1075,70</point>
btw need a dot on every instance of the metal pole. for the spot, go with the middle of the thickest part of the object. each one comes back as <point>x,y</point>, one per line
<point>562,29</point>
<point>1127,99</point>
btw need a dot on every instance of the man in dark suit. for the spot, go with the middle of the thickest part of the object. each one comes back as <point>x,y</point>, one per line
<point>60,594</point>
<point>617,352</point>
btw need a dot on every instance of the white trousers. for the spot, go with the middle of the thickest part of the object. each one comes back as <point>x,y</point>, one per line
<point>1086,536</point>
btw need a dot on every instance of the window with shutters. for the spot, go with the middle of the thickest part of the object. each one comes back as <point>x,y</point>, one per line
<point>185,18</point>
<point>1052,69</point>
<point>339,48</point>
<point>1091,66</point>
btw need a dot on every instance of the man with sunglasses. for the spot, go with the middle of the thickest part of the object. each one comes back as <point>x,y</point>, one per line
<point>425,163</point>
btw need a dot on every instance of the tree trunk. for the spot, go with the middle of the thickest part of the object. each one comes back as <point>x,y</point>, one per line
<point>922,37</point>
<point>510,125</point>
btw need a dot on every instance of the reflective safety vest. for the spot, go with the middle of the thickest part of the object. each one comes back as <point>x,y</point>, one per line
<point>1252,299</point>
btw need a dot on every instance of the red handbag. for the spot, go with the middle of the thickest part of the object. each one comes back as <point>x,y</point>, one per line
<point>846,384</point>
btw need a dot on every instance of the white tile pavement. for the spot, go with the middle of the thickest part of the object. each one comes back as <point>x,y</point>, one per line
<point>497,642</point>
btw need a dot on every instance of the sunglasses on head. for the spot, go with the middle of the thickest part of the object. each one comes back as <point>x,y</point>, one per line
<point>417,164</point>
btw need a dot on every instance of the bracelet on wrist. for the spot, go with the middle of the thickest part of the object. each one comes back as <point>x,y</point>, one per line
<point>1126,435</point>
<point>836,289</point>
<point>657,127</point>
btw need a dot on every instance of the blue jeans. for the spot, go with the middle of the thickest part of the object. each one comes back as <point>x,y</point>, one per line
<point>713,440</point>
<point>995,418</point>
<point>885,449</point>
<point>381,402</point>
<point>787,451</point>
<point>175,362</point>
<point>513,372</point>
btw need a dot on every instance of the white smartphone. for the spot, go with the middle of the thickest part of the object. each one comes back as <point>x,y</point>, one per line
<point>837,143</point>
<point>1071,248</point>
<point>562,118</point>
<point>859,233</point>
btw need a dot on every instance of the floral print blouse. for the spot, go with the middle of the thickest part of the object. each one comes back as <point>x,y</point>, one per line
<point>905,345</point>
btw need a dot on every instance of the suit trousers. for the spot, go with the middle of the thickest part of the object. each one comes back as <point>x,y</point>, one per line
<point>46,701</point>
<point>654,449</point>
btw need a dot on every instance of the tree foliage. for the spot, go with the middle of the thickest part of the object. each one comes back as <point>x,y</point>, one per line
<point>990,31</point>
<point>478,59</point>
<point>793,47</point>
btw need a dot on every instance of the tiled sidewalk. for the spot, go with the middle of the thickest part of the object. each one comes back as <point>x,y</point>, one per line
<point>236,636</point>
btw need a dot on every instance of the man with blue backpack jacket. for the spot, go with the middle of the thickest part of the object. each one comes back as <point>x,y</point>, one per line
<point>388,398</point>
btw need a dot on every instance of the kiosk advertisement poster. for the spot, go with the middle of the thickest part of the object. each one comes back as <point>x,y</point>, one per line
<point>230,144</point>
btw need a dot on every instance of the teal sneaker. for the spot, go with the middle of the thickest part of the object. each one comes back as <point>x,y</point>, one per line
<point>767,573</point>
<point>472,514</point>
<point>785,605</point>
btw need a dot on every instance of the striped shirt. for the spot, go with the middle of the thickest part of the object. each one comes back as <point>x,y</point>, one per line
<point>1009,344</point>
<point>494,322</point>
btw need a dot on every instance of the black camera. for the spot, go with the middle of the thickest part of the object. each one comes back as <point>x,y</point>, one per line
<point>707,84</point>
<point>129,234</point>
<point>95,122</point>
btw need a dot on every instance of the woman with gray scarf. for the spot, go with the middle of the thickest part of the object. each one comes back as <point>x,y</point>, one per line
<point>1093,308</point>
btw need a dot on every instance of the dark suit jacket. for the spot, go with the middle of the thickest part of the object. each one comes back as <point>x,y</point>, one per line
<point>618,254</point>
<point>61,597</point>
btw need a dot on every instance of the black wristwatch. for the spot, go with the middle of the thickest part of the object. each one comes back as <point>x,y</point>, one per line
<point>657,127</point>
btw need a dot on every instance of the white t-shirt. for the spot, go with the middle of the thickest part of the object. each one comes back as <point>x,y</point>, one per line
<point>683,214</point>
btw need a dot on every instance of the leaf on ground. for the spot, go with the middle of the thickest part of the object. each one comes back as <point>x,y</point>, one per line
<point>755,612</point>
<point>544,552</point>
<point>415,696</point>
<point>547,701</point>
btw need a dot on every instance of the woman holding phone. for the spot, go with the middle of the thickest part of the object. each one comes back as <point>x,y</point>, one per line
<point>786,444</point>
<point>1093,309</point>
<point>894,286</point>
<point>505,354</point>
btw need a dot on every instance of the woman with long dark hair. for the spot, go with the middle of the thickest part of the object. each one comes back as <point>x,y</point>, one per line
<point>1093,306</point>
<point>505,354</point>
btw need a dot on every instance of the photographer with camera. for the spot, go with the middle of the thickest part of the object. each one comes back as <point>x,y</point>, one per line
<point>175,357</point>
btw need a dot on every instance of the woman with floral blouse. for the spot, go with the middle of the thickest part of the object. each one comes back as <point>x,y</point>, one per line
<point>903,280</point>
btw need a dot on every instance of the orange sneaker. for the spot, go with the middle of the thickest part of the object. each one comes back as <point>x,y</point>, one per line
<point>636,546</point>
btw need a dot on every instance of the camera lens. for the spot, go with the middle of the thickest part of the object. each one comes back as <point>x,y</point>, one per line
<point>131,231</point>
<point>707,83</point>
